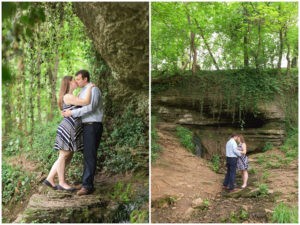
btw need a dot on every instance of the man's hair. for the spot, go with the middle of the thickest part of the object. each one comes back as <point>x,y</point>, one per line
<point>84,74</point>
<point>234,135</point>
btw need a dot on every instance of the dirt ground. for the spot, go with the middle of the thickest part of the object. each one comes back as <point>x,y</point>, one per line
<point>178,178</point>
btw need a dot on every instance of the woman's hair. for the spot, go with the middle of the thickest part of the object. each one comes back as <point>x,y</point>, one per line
<point>64,89</point>
<point>241,138</point>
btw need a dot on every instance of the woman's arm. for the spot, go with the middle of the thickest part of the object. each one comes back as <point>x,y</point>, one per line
<point>70,99</point>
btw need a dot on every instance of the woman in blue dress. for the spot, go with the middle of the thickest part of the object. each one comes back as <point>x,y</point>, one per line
<point>242,162</point>
<point>69,133</point>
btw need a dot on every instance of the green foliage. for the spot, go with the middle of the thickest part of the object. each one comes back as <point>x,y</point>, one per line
<point>12,145</point>
<point>138,216</point>
<point>243,32</point>
<point>268,146</point>
<point>125,149</point>
<point>186,138</point>
<point>290,146</point>
<point>263,190</point>
<point>43,144</point>
<point>252,171</point>
<point>216,162</point>
<point>155,148</point>
<point>265,175</point>
<point>15,184</point>
<point>206,203</point>
<point>237,217</point>
<point>239,91</point>
<point>261,159</point>
<point>285,214</point>
<point>122,192</point>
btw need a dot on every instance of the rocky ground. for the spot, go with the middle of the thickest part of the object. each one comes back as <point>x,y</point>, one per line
<point>186,190</point>
<point>115,198</point>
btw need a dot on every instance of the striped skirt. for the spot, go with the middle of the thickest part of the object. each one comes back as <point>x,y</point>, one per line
<point>69,135</point>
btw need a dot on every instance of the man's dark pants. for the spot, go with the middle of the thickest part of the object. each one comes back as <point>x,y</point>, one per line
<point>92,133</point>
<point>231,171</point>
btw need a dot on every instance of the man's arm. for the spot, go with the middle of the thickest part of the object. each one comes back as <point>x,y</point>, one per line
<point>96,95</point>
<point>235,150</point>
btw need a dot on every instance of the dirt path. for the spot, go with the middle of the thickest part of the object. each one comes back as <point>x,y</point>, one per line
<point>179,178</point>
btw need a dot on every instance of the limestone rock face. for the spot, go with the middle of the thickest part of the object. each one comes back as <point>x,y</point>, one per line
<point>213,122</point>
<point>120,33</point>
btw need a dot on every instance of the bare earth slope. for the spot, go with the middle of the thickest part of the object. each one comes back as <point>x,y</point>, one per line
<point>180,176</point>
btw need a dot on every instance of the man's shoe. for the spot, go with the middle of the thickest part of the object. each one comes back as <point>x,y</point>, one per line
<point>78,186</point>
<point>84,191</point>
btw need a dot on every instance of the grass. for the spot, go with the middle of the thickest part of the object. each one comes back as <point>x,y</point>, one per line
<point>268,146</point>
<point>290,146</point>
<point>265,175</point>
<point>155,148</point>
<point>216,162</point>
<point>252,171</point>
<point>186,138</point>
<point>285,214</point>
<point>263,189</point>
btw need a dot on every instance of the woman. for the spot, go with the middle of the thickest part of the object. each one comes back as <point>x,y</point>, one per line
<point>242,162</point>
<point>69,133</point>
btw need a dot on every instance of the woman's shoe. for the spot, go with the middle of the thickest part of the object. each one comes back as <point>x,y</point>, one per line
<point>60,188</point>
<point>47,183</point>
<point>243,187</point>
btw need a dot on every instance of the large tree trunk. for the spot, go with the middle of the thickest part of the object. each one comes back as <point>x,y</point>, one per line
<point>52,74</point>
<point>245,38</point>
<point>288,68</point>
<point>258,50</point>
<point>193,48</point>
<point>280,52</point>
<point>207,45</point>
<point>38,77</point>
<point>21,95</point>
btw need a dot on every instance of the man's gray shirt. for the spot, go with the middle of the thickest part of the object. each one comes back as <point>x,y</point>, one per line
<point>231,149</point>
<point>92,112</point>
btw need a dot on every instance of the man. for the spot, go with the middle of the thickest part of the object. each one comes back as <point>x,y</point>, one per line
<point>231,160</point>
<point>91,116</point>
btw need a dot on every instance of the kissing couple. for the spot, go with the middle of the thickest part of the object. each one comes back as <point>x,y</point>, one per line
<point>80,130</point>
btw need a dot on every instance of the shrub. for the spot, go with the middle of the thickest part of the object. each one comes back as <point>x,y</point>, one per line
<point>268,146</point>
<point>290,146</point>
<point>126,146</point>
<point>216,162</point>
<point>186,138</point>
<point>284,214</point>
<point>155,148</point>
<point>15,184</point>
<point>263,189</point>
<point>252,171</point>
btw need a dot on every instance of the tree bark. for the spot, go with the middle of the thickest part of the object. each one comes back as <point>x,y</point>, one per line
<point>193,48</point>
<point>207,45</point>
<point>280,52</point>
<point>52,74</point>
<point>245,39</point>
<point>257,54</point>
<point>288,68</point>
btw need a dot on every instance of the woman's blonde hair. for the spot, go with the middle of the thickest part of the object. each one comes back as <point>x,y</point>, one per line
<point>64,89</point>
<point>241,138</point>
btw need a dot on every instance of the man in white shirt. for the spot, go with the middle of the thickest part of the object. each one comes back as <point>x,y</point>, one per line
<point>231,160</point>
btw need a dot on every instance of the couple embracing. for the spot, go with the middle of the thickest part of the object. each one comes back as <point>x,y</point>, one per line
<point>80,130</point>
<point>236,158</point>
